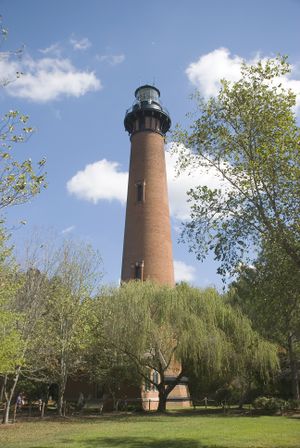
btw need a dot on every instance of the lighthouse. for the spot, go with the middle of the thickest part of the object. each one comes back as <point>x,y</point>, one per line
<point>147,249</point>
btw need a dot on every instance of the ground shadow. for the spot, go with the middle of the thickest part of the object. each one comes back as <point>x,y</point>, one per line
<point>131,442</point>
<point>136,442</point>
<point>220,414</point>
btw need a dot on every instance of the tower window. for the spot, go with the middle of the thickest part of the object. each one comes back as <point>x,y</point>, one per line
<point>147,383</point>
<point>138,270</point>
<point>140,192</point>
<point>155,379</point>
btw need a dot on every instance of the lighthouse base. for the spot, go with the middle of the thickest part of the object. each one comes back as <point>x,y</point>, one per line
<point>178,398</point>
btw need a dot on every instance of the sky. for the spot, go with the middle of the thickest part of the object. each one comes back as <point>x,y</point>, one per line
<point>82,62</point>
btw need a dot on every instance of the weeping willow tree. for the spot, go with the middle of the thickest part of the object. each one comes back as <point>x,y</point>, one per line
<point>155,325</point>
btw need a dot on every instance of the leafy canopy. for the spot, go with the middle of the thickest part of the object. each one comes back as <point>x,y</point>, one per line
<point>249,135</point>
<point>152,325</point>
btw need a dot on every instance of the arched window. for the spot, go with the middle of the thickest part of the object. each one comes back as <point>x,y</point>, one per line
<point>138,270</point>
<point>140,192</point>
<point>155,378</point>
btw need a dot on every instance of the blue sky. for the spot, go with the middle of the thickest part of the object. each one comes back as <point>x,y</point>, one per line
<point>82,62</point>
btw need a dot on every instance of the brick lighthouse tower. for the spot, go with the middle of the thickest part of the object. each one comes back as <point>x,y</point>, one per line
<point>147,250</point>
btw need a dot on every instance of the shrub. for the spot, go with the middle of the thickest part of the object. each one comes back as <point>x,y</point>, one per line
<point>269,403</point>
<point>293,404</point>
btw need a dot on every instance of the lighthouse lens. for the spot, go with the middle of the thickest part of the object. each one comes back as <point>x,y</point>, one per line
<point>147,94</point>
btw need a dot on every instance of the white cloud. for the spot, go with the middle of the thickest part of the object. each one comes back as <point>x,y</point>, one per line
<point>68,230</point>
<point>179,185</point>
<point>112,59</point>
<point>47,79</point>
<point>101,180</point>
<point>184,272</point>
<point>206,73</point>
<point>54,50</point>
<point>80,44</point>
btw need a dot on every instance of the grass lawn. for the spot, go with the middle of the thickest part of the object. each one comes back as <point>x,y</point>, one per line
<point>174,430</point>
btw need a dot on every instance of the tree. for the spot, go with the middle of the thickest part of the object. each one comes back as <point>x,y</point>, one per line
<point>28,307</point>
<point>112,371</point>
<point>156,327</point>
<point>249,136</point>
<point>18,183</point>
<point>66,326</point>
<point>51,306</point>
<point>269,294</point>
<point>74,279</point>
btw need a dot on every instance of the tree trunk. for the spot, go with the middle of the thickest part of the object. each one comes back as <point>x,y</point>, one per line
<point>43,409</point>
<point>62,385</point>
<point>294,368</point>
<point>162,395</point>
<point>61,396</point>
<point>164,391</point>
<point>3,387</point>
<point>5,419</point>
<point>44,403</point>
<point>246,387</point>
<point>9,396</point>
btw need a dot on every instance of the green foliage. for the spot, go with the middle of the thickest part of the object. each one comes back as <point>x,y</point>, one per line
<point>64,328</point>
<point>18,179</point>
<point>33,390</point>
<point>151,324</point>
<point>45,323</point>
<point>249,136</point>
<point>225,338</point>
<point>269,294</point>
<point>269,403</point>
<point>11,347</point>
<point>293,404</point>
<point>105,366</point>
<point>11,344</point>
